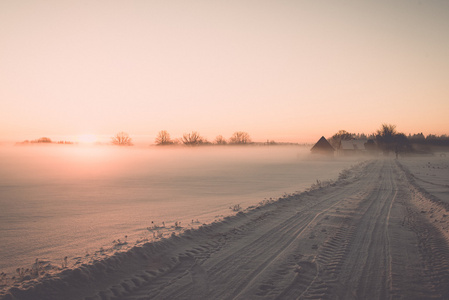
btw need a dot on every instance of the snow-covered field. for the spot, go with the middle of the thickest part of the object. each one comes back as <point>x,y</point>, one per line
<point>87,203</point>
<point>376,232</point>
<point>431,173</point>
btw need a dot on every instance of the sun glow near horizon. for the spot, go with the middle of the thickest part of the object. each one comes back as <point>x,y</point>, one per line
<point>87,138</point>
<point>289,70</point>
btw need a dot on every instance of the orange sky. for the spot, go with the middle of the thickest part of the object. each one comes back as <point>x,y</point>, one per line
<point>281,70</point>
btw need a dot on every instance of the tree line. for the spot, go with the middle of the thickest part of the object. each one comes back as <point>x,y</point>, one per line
<point>387,139</point>
<point>193,138</point>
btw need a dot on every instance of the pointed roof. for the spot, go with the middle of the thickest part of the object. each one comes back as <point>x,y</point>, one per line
<point>322,146</point>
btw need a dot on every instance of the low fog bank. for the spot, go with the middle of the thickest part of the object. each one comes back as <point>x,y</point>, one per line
<point>61,200</point>
<point>60,162</point>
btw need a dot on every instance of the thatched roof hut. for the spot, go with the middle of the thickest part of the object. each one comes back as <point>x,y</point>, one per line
<point>322,147</point>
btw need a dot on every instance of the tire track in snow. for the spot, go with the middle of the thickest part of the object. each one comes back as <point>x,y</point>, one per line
<point>241,290</point>
<point>350,264</point>
<point>375,280</point>
<point>427,218</point>
<point>332,256</point>
<point>309,216</point>
<point>240,267</point>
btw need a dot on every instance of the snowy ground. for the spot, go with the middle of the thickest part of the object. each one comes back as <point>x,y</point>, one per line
<point>431,173</point>
<point>87,203</point>
<point>376,233</point>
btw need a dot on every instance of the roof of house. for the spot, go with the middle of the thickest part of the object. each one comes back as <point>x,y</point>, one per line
<point>353,144</point>
<point>322,146</point>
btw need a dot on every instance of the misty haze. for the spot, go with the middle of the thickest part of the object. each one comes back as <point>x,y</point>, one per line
<point>62,201</point>
<point>216,150</point>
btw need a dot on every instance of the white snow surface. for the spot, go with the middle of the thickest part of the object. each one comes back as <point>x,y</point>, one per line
<point>87,203</point>
<point>374,232</point>
<point>431,173</point>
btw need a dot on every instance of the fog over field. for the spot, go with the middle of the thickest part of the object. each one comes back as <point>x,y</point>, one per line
<point>72,200</point>
<point>158,150</point>
<point>254,222</point>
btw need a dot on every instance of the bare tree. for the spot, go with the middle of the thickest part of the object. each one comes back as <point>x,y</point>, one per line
<point>122,139</point>
<point>163,138</point>
<point>192,139</point>
<point>387,131</point>
<point>240,137</point>
<point>385,137</point>
<point>390,140</point>
<point>220,140</point>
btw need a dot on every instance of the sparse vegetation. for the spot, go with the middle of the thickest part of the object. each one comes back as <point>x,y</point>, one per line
<point>220,140</point>
<point>316,185</point>
<point>27,274</point>
<point>240,138</point>
<point>42,140</point>
<point>235,207</point>
<point>122,139</point>
<point>193,139</point>
<point>155,227</point>
<point>344,174</point>
<point>20,273</point>
<point>36,268</point>
<point>266,201</point>
<point>3,279</point>
<point>163,138</point>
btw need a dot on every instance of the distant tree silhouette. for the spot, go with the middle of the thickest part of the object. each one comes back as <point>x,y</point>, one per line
<point>387,131</point>
<point>370,145</point>
<point>429,140</point>
<point>240,138</point>
<point>44,140</point>
<point>385,137</point>
<point>341,135</point>
<point>192,139</point>
<point>417,138</point>
<point>220,140</point>
<point>122,139</point>
<point>389,139</point>
<point>442,140</point>
<point>402,143</point>
<point>163,138</point>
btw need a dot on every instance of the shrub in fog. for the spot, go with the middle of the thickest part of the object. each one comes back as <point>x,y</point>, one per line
<point>220,140</point>
<point>193,139</point>
<point>163,138</point>
<point>122,139</point>
<point>240,138</point>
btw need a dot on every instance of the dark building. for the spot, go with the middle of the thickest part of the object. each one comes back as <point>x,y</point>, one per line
<point>323,147</point>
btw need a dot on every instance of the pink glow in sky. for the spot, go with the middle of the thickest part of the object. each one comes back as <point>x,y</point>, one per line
<point>281,70</point>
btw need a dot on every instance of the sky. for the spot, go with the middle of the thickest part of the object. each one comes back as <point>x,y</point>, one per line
<point>279,70</point>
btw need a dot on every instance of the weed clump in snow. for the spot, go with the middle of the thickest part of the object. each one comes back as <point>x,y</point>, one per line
<point>177,225</point>
<point>155,227</point>
<point>64,263</point>
<point>344,174</point>
<point>235,207</point>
